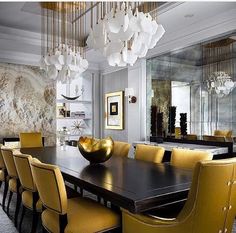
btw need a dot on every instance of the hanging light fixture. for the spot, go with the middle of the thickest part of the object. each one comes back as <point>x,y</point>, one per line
<point>63,55</point>
<point>219,67</point>
<point>125,32</point>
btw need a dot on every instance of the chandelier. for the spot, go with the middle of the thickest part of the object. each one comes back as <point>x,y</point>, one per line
<point>220,83</point>
<point>219,66</point>
<point>125,32</point>
<point>63,43</point>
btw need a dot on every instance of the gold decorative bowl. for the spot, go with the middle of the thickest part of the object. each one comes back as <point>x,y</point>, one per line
<point>96,150</point>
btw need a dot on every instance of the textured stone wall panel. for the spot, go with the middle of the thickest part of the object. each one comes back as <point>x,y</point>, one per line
<point>27,102</point>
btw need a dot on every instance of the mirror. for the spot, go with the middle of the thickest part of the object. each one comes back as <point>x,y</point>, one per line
<point>184,78</point>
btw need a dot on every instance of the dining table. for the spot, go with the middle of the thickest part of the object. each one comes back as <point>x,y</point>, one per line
<point>132,184</point>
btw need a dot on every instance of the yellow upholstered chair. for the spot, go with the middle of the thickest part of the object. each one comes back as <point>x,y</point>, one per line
<point>30,197</point>
<point>31,140</point>
<point>191,137</point>
<point>177,133</point>
<point>148,153</point>
<point>13,182</point>
<point>186,158</point>
<point>3,178</point>
<point>211,138</point>
<point>68,215</point>
<point>121,148</point>
<point>210,206</point>
<point>225,133</point>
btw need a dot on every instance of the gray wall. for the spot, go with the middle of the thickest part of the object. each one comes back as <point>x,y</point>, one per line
<point>112,82</point>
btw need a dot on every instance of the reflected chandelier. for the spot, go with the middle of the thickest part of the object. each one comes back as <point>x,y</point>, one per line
<point>219,64</point>
<point>125,32</point>
<point>63,56</point>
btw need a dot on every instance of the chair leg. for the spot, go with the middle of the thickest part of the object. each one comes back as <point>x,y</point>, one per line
<point>0,184</point>
<point>22,217</point>
<point>4,195</point>
<point>9,201</point>
<point>18,202</point>
<point>35,221</point>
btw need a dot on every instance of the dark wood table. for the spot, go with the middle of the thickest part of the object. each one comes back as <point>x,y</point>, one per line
<point>132,184</point>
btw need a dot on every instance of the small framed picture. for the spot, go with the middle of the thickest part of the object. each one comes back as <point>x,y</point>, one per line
<point>114,110</point>
<point>61,111</point>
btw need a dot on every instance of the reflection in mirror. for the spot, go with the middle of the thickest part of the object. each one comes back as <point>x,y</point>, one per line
<point>198,80</point>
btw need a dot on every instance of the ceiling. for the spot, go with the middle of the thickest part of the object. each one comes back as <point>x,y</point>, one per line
<point>175,17</point>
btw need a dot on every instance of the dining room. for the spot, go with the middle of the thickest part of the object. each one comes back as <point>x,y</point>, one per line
<point>117,116</point>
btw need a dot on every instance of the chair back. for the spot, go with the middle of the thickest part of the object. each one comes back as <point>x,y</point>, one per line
<point>148,153</point>
<point>28,140</point>
<point>2,164</point>
<point>185,158</point>
<point>121,148</point>
<point>50,185</point>
<point>224,133</point>
<point>9,161</point>
<point>211,201</point>
<point>22,162</point>
<point>191,137</point>
<point>211,138</point>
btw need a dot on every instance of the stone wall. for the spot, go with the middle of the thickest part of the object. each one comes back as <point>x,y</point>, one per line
<point>27,102</point>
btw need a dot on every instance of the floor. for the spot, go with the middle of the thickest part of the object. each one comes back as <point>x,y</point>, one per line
<point>7,225</point>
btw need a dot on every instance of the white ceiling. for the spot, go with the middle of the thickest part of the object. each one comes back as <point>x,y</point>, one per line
<point>205,15</point>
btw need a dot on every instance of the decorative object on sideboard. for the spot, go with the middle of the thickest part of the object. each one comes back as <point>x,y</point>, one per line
<point>96,150</point>
<point>78,127</point>
<point>129,92</point>
<point>63,135</point>
<point>63,49</point>
<point>126,32</point>
<point>171,120</point>
<point>183,124</point>
<point>160,124</point>
<point>153,120</point>
<point>114,116</point>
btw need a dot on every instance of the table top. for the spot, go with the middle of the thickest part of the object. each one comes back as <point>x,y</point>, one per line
<point>132,184</point>
<point>215,150</point>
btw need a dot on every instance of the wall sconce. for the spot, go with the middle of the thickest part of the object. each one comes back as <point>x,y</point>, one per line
<point>129,92</point>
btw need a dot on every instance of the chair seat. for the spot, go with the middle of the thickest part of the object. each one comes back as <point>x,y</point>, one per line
<point>2,175</point>
<point>27,201</point>
<point>13,185</point>
<point>84,215</point>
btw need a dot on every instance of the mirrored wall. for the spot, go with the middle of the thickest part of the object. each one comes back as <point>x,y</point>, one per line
<point>197,80</point>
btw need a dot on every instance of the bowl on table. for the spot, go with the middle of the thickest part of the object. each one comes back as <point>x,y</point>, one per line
<point>96,150</point>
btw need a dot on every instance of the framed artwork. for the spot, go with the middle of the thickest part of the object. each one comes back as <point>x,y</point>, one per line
<point>114,108</point>
<point>61,111</point>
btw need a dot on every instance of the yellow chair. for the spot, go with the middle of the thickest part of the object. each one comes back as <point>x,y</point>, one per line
<point>13,182</point>
<point>225,133</point>
<point>30,197</point>
<point>148,153</point>
<point>177,133</point>
<point>211,138</point>
<point>3,178</point>
<point>121,148</point>
<point>68,215</point>
<point>210,206</point>
<point>28,140</point>
<point>185,158</point>
<point>191,137</point>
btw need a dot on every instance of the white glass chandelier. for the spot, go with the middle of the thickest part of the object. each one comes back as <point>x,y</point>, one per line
<point>63,52</point>
<point>220,83</point>
<point>124,35</point>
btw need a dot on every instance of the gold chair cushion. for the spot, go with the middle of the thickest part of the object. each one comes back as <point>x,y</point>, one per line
<point>13,185</point>
<point>31,140</point>
<point>2,175</point>
<point>148,153</point>
<point>84,215</point>
<point>27,201</point>
<point>225,133</point>
<point>186,158</point>
<point>121,148</point>
<point>2,164</point>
